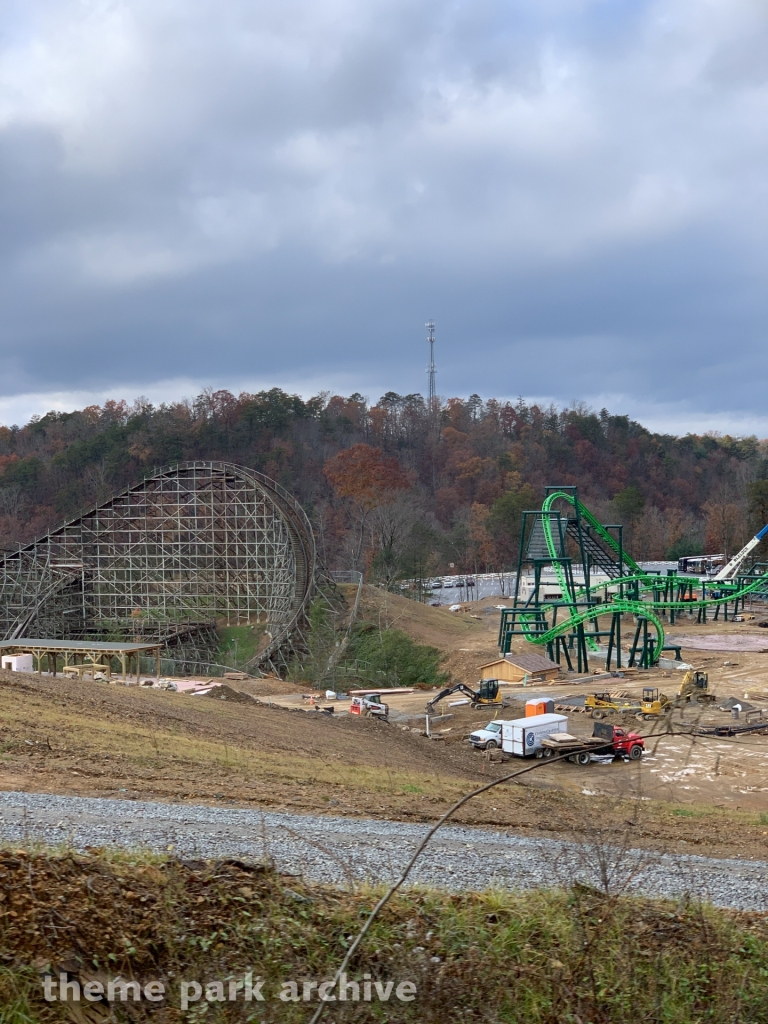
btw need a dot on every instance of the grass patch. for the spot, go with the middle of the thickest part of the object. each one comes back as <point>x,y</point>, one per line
<point>238,644</point>
<point>554,957</point>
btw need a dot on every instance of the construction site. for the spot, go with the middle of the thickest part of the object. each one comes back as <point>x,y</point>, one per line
<point>632,703</point>
<point>138,591</point>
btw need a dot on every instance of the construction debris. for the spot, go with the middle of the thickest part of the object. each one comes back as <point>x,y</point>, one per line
<point>731,702</point>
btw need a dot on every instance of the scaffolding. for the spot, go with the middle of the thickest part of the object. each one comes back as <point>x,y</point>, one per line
<point>192,548</point>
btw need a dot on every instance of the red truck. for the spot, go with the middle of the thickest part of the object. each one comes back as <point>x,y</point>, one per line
<point>605,739</point>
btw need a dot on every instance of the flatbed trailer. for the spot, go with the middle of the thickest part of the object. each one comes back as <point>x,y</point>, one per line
<point>605,740</point>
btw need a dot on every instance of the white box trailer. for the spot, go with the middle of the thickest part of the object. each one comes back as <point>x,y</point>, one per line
<point>522,736</point>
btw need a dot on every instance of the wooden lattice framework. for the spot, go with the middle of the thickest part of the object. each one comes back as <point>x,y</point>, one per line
<point>191,547</point>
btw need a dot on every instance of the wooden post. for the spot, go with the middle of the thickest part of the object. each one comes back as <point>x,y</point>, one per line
<point>157,663</point>
<point>122,663</point>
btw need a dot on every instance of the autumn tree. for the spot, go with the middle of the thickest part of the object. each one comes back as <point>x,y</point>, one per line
<point>369,479</point>
<point>725,522</point>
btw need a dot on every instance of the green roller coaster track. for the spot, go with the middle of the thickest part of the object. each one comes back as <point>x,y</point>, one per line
<point>642,581</point>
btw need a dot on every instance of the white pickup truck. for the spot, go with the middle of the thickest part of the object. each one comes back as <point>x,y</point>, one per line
<point>488,738</point>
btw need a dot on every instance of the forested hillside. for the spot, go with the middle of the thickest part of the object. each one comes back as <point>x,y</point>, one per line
<point>395,488</point>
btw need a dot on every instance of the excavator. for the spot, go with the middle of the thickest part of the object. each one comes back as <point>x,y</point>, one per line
<point>486,695</point>
<point>693,688</point>
<point>653,704</point>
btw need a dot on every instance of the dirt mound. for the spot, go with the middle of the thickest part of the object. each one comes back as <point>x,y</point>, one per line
<point>271,686</point>
<point>73,736</point>
<point>225,692</point>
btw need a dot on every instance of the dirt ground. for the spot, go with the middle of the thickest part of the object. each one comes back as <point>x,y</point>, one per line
<point>93,738</point>
<point>85,738</point>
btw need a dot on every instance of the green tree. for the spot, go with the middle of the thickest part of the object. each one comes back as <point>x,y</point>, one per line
<point>629,504</point>
<point>757,499</point>
<point>684,545</point>
<point>393,655</point>
<point>505,521</point>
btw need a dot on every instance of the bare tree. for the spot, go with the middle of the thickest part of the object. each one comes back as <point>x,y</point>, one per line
<point>12,501</point>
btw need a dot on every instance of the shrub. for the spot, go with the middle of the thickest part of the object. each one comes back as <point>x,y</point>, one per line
<point>392,653</point>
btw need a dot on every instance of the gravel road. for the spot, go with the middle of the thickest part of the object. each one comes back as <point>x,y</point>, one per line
<point>343,850</point>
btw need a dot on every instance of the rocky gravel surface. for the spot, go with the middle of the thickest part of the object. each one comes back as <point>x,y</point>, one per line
<point>349,850</point>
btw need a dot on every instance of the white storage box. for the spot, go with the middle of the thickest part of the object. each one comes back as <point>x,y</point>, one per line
<point>18,662</point>
<point>522,736</point>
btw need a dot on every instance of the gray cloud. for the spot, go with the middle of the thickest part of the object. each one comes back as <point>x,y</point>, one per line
<point>230,192</point>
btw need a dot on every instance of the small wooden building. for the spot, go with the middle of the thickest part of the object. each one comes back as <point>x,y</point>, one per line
<point>513,668</point>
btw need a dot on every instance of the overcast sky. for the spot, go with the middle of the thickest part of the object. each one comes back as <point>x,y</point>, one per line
<point>251,194</point>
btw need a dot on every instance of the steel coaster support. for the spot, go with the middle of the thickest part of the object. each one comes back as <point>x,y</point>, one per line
<point>560,645</point>
<point>581,648</point>
<point>670,596</point>
<point>669,593</point>
<point>614,641</point>
<point>648,658</point>
<point>640,643</point>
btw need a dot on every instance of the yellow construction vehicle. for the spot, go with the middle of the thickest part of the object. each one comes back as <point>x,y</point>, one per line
<point>486,695</point>
<point>653,703</point>
<point>695,687</point>
<point>603,704</point>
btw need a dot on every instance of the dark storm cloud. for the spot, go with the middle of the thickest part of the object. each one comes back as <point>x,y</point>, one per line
<point>284,192</point>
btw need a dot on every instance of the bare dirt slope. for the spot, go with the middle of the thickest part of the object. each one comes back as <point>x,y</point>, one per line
<point>69,736</point>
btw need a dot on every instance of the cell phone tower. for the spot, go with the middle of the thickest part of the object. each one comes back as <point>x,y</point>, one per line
<point>430,325</point>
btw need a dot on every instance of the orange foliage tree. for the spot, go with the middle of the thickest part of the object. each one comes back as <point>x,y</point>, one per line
<point>369,478</point>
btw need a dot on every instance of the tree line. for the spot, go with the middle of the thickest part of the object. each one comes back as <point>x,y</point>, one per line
<point>399,488</point>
